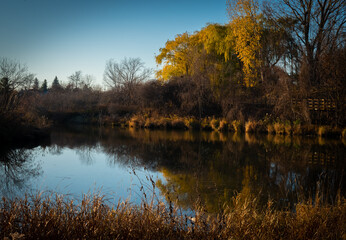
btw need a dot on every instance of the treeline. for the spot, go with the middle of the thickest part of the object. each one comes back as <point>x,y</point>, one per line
<point>273,57</point>
<point>266,63</point>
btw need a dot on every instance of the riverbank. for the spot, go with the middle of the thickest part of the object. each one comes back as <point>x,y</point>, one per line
<point>16,133</point>
<point>266,126</point>
<point>57,217</point>
<point>148,120</point>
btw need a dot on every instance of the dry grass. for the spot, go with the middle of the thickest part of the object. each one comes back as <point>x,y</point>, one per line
<point>56,217</point>
<point>250,126</point>
<point>178,123</point>
<point>326,131</point>
<point>223,126</point>
<point>288,128</point>
<point>215,124</point>
<point>205,124</point>
<point>192,123</point>
<point>270,129</point>
<point>296,129</point>
<point>279,128</point>
<point>237,126</point>
<point>136,122</point>
<point>322,130</point>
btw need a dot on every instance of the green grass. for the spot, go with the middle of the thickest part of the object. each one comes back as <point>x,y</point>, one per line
<point>57,217</point>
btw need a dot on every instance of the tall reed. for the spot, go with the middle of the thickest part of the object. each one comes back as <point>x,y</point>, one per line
<point>94,217</point>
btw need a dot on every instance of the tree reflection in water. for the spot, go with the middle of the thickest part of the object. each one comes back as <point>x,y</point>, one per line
<point>17,169</point>
<point>212,167</point>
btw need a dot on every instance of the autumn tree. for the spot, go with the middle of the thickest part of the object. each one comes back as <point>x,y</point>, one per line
<point>247,30</point>
<point>220,62</point>
<point>175,57</point>
<point>207,53</point>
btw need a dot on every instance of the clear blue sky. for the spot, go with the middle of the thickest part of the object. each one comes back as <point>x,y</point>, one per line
<point>59,37</point>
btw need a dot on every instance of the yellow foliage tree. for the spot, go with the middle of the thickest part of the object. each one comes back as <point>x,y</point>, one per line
<point>205,54</point>
<point>175,57</point>
<point>216,40</point>
<point>247,31</point>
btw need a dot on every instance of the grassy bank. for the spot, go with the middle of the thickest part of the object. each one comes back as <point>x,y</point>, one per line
<point>276,127</point>
<point>56,217</point>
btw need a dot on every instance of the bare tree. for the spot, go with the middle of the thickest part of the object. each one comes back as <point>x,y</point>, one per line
<point>88,81</point>
<point>81,81</point>
<point>76,79</point>
<point>319,29</point>
<point>17,75</point>
<point>13,77</point>
<point>127,74</point>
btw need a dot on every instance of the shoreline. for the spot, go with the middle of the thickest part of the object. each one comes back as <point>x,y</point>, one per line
<point>210,124</point>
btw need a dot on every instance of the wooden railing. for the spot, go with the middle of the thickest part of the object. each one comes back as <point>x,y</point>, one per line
<point>318,104</point>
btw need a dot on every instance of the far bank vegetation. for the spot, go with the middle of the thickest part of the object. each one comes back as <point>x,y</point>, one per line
<point>266,70</point>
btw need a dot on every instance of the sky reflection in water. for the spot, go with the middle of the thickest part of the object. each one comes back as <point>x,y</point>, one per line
<point>189,166</point>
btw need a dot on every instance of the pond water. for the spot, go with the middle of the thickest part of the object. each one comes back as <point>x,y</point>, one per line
<point>183,166</point>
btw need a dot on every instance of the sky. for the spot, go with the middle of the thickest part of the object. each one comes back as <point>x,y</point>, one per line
<point>60,37</point>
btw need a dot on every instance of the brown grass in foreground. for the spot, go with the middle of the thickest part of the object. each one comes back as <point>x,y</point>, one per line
<point>57,217</point>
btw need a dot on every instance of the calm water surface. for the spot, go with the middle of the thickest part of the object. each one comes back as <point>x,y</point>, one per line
<point>184,165</point>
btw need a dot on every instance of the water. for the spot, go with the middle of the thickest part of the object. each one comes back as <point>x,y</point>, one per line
<point>185,166</point>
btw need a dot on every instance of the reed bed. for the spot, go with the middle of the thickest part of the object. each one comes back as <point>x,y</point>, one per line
<point>250,126</point>
<point>277,127</point>
<point>57,217</point>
